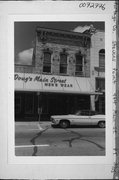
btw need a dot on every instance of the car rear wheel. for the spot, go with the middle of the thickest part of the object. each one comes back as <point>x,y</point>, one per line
<point>64,124</point>
<point>101,124</point>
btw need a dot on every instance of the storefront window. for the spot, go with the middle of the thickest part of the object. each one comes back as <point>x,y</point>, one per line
<point>100,84</point>
<point>79,65</point>
<point>18,104</point>
<point>102,58</point>
<point>100,105</point>
<point>63,63</point>
<point>47,62</point>
<point>29,104</point>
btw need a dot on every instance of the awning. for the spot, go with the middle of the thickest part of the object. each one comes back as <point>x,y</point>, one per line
<point>53,83</point>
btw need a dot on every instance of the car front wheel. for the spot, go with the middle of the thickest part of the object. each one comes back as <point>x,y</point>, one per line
<point>64,124</point>
<point>101,124</point>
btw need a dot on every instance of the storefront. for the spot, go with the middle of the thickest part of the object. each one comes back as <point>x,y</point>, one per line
<point>52,94</point>
<point>100,100</point>
<point>26,104</point>
<point>100,104</point>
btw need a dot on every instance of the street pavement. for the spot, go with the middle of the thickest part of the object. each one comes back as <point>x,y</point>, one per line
<point>32,139</point>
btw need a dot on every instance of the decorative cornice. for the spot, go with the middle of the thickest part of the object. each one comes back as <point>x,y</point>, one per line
<point>59,36</point>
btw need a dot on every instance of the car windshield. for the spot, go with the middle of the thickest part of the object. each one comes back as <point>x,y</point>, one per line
<point>77,113</point>
<point>85,113</point>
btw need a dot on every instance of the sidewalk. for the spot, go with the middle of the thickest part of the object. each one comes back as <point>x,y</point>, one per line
<point>35,124</point>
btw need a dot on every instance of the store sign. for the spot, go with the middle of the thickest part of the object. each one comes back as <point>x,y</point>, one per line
<point>35,82</point>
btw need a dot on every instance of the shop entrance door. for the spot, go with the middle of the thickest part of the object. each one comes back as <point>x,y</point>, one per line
<point>100,105</point>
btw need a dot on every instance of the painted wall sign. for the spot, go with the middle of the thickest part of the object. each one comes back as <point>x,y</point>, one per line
<point>36,82</point>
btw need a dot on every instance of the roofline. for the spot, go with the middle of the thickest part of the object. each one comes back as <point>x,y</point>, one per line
<point>62,31</point>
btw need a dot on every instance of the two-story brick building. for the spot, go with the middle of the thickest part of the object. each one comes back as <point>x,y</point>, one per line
<point>61,78</point>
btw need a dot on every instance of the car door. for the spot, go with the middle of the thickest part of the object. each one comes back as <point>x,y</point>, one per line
<point>83,119</point>
<point>93,118</point>
<point>86,118</point>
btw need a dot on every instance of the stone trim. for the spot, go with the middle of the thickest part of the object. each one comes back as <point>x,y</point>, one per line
<point>63,37</point>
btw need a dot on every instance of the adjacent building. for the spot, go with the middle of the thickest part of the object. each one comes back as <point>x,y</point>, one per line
<point>67,74</point>
<point>98,69</point>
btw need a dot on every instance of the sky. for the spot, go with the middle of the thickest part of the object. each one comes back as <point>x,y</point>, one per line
<point>24,33</point>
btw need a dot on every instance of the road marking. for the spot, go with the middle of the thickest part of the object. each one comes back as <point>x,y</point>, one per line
<point>28,130</point>
<point>38,145</point>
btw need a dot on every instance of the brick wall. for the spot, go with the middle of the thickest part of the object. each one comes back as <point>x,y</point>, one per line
<point>57,42</point>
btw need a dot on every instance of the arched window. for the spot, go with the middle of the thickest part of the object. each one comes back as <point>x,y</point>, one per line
<point>47,62</point>
<point>79,65</point>
<point>102,58</point>
<point>63,63</point>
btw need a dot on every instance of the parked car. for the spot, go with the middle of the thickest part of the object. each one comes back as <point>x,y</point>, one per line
<point>79,118</point>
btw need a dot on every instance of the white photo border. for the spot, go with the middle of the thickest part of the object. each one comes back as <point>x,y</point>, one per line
<point>108,158</point>
<point>12,167</point>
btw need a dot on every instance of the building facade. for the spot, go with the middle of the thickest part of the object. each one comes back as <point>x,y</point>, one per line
<point>65,75</point>
<point>98,69</point>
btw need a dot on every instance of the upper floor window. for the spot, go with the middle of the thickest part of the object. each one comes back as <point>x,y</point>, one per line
<point>47,62</point>
<point>79,65</point>
<point>63,63</point>
<point>102,58</point>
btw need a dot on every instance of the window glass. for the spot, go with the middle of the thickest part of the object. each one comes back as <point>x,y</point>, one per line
<point>78,113</point>
<point>92,113</point>
<point>100,84</point>
<point>79,65</point>
<point>85,113</point>
<point>29,104</point>
<point>18,104</point>
<point>102,58</point>
<point>47,62</point>
<point>63,63</point>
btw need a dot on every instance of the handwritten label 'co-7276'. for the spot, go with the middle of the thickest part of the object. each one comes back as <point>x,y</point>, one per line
<point>92,5</point>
